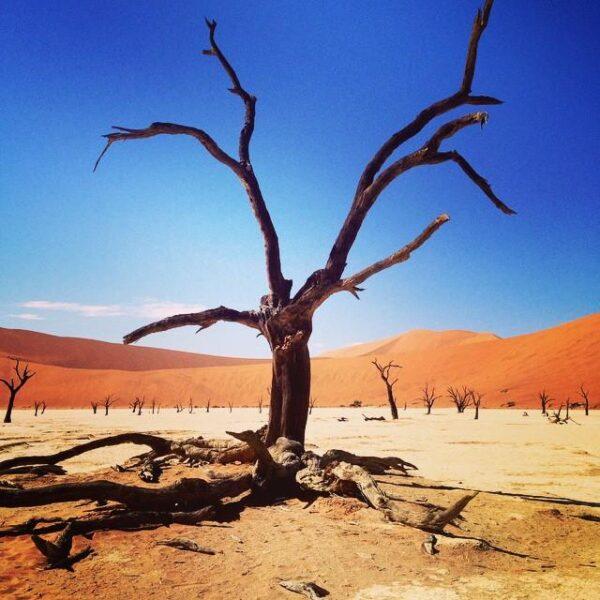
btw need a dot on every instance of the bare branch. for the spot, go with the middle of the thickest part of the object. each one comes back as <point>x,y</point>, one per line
<point>339,252</point>
<point>479,181</point>
<point>248,99</point>
<point>202,319</point>
<point>402,255</point>
<point>127,133</point>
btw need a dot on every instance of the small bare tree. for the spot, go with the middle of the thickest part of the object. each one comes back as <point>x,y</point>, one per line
<point>108,402</point>
<point>311,404</point>
<point>15,386</point>
<point>140,404</point>
<point>428,398</point>
<point>545,401</point>
<point>230,404</point>
<point>94,406</point>
<point>191,406</point>
<point>208,405</point>
<point>36,408</point>
<point>384,373</point>
<point>556,417</point>
<point>133,405</point>
<point>585,395</point>
<point>178,408</point>
<point>153,405</point>
<point>460,398</point>
<point>477,397</point>
<point>44,406</point>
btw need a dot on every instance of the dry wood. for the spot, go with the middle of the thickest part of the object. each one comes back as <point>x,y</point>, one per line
<point>182,543</point>
<point>286,323</point>
<point>306,588</point>
<point>384,373</point>
<point>23,375</point>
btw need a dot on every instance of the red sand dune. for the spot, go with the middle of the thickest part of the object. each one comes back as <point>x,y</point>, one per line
<point>557,359</point>
<point>80,353</point>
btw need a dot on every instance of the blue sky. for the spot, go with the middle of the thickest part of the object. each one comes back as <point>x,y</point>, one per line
<point>161,227</point>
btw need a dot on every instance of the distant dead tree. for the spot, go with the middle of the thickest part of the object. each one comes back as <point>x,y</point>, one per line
<point>556,417</point>
<point>153,405</point>
<point>36,408</point>
<point>585,395</point>
<point>178,408</point>
<point>15,386</point>
<point>545,401</point>
<point>133,405</point>
<point>260,404</point>
<point>94,406</point>
<point>311,404</point>
<point>384,373</point>
<point>460,398</point>
<point>476,397</point>
<point>44,406</point>
<point>139,403</point>
<point>191,406</point>
<point>230,404</point>
<point>108,402</point>
<point>428,398</point>
<point>208,405</point>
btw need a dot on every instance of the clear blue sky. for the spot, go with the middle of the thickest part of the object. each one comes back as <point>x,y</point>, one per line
<point>161,225</point>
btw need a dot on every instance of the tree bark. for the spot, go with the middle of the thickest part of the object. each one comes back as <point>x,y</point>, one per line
<point>290,391</point>
<point>9,408</point>
<point>392,401</point>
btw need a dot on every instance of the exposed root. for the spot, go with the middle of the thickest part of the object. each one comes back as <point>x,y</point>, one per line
<point>185,494</point>
<point>117,519</point>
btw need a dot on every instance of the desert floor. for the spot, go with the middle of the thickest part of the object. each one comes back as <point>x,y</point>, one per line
<point>553,542</point>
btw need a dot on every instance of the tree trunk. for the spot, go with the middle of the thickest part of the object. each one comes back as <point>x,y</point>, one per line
<point>392,401</point>
<point>9,408</point>
<point>290,391</point>
<point>428,409</point>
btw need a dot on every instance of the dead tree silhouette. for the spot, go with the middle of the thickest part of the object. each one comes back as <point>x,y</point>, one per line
<point>230,405</point>
<point>36,408</point>
<point>44,406</point>
<point>178,408</point>
<point>585,395</point>
<point>545,401</point>
<point>311,404</point>
<point>461,398</point>
<point>14,386</point>
<point>477,398</point>
<point>94,406</point>
<point>108,402</point>
<point>285,319</point>
<point>260,405</point>
<point>428,398</point>
<point>190,406</point>
<point>208,405</point>
<point>384,373</point>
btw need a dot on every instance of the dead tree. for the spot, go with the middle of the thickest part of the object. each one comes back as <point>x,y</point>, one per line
<point>461,398</point>
<point>44,406</point>
<point>585,395</point>
<point>133,405</point>
<point>107,403</point>
<point>311,404</point>
<point>36,408</point>
<point>190,406</point>
<point>94,406</point>
<point>14,385</point>
<point>284,318</point>
<point>428,398</point>
<point>208,405</point>
<point>139,404</point>
<point>384,373</point>
<point>230,405</point>
<point>477,397</point>
<point>178,408</point>
<point>556,417</point>
<point>153,405</point>
<point>545,401</point>
<point>260,405</point>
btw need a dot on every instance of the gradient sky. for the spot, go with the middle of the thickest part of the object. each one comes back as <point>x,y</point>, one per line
<point>162,227</point>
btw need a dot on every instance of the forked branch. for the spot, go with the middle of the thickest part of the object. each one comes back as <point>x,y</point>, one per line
<point>362,201</point>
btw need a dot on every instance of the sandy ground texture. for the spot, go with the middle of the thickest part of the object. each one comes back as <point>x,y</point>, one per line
<point>345,547</point>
